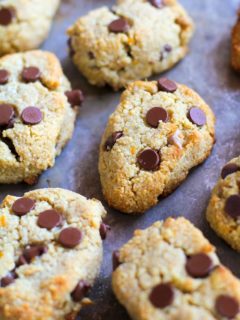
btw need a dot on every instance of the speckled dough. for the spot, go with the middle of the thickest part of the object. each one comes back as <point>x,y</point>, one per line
<point>30,25</point>
<point>157,39</point>
<point>43,287</point>
<point>159,255</point>
<point>35,145</point>
<point>225,226</point>
<point>125,186</point>
<point>235,58</point>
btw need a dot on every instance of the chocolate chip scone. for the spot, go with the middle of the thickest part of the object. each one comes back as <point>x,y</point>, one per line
<point>134,40</point>
<point>50,254</point>
<point>223,211</point>
<point>170,271</point>
<point>37,114</point>
<point>24,24</point>
<point>159,131</point>
<point>235,55</point>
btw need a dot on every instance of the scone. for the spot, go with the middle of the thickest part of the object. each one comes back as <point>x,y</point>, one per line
<point>235,56</point>
<point>24,24</point>
<point>159,131</point>
<point>171,272</point>
<point>134,40</point>
<point>37,114</point>
<point>223,211</point>
<point>50,254</point>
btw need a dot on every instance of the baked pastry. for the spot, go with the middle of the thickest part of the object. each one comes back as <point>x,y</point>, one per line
<point>50,254</point>
<point>37,114</point>
<point>170,271</point>
<point>24,24</point>
<point>235,55</point>
<point>159,131</point>
<point>223,211</point>
<point>134,40</point>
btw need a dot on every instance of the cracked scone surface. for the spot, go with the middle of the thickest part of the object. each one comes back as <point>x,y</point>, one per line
<point>224,207</point>
<point>178,143</point>
<point>26,150</point>
<point>235,54</point>
<point>160,257</point>
<point>43,287</point>
<point>28,25</point>
<point>155,40</point>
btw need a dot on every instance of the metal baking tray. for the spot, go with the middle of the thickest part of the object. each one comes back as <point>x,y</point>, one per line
<point>206,69</point>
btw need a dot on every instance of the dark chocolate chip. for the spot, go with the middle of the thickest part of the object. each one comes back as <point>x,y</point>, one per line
<point>111,140</point>
<point>232,206</point>
<point>4,76</point>
<point>199,265</point>
<point>32,115</point>
<point>30,252</point>
<point>70,237</point>
<point>155,115</point>
<point>75,97</point>
<point>80,291</point>
<point>6,16</point>
<point>91,55</point>
<point>162,295</point>
<point>157,3</point>
<point>6,114</point>
<point>166,85</point>
<point>228,169</point>
<point>21,261</point>
<point>104,228</point>
<point>49,219</point>
<point>118,25</point>
<point>167,48</point>
<point>227,306</point>
<point>149,160</point>
<point>197,116</point>
<point>115,259</point>
<point>22,206</point>
<point>31,74</point>
<point>8,279</point>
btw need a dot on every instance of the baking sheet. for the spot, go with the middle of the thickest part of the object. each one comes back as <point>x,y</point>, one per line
<point>206,69</point>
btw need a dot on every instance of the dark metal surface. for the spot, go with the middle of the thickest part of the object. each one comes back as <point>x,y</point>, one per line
<point>206,69</point>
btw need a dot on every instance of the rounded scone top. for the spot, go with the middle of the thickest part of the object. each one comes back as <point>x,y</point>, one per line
<point>130,42</point>
<point>50,253</point>
<point>223,211</point>
<point>170,271</point>
<point>159,131</point>
<point>36,117</point>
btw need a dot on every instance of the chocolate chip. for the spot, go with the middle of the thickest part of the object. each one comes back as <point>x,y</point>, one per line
<point>70,237</point>
<point>118,25</point>
<point>149,160</point>
<point>232,206</point>
<point>111,140</point>
<point>8,279</point>
<point>197,116</point>
<point>71,50</point>
<point>31,74</point>
<point>155,115</point>
<point>80,291</point>
<point>6,16</point>
<point>4,76</point>
<point>166,85</point>
<point>227,306</point>
<point>30,252</point>
<point>199,265</point>
<point>104,228</point>
<point>167,48</point>
<point>21,261</point>
<point>49,219</point>
<point>162,295</point>
<point>75,97</point>
<point>6,114</point>
<point>115,259</point>
<point>228,169</point>
<point>22,206</point>
<point>32,115</point>
<point>157,3</point>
